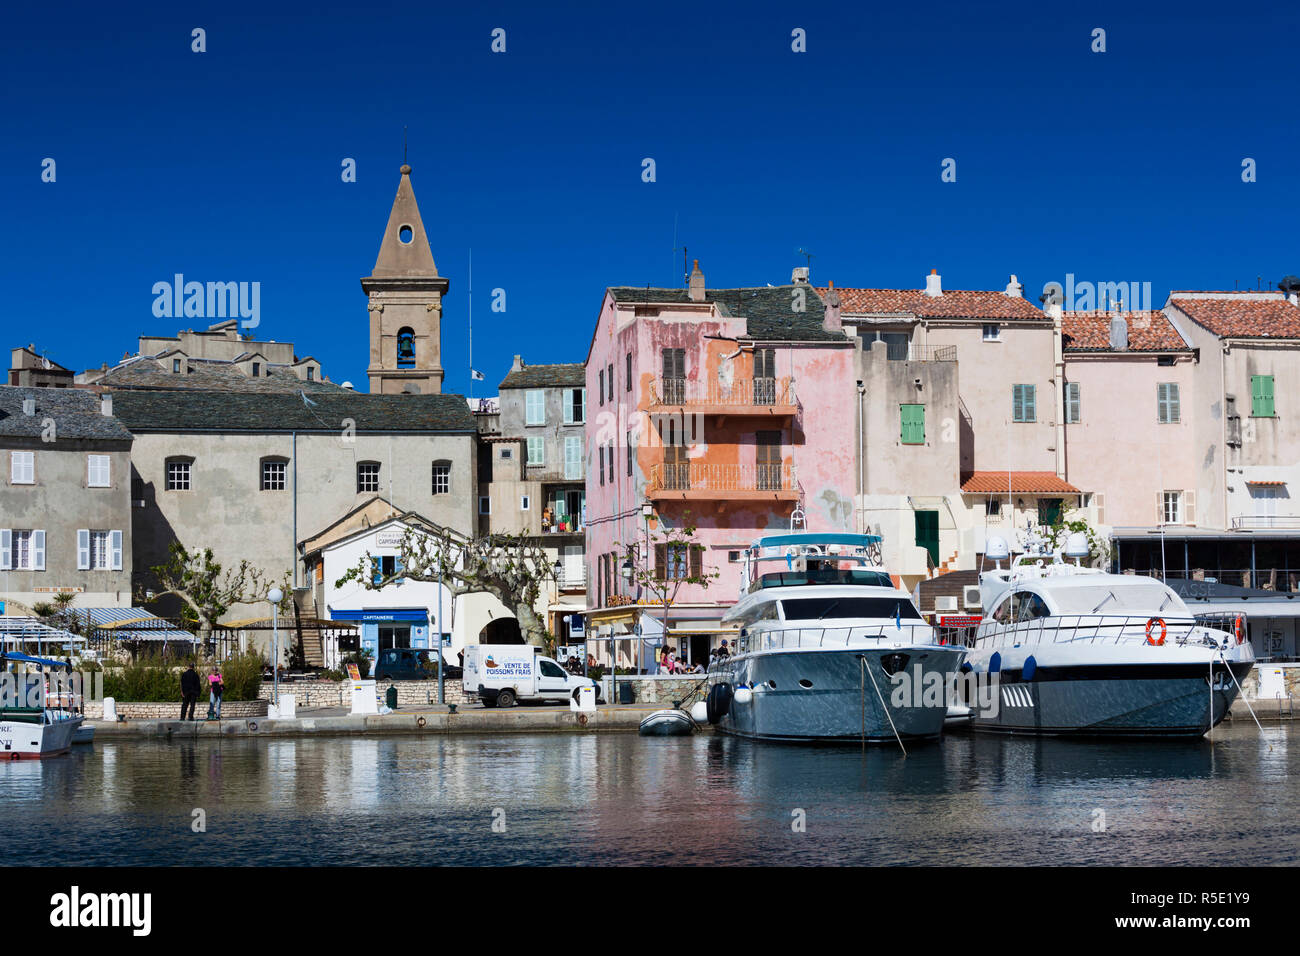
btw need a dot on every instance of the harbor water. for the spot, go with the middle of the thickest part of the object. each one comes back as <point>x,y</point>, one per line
<point>622,799</point>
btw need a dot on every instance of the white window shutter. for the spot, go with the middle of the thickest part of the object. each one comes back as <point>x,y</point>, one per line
<point>83,549</point>
<point>1100,499</point>
<point>6,548</point>
<point>38,550</point>
<point>115,546</point>
<point>1160,507</point>
<point>1189,515</point>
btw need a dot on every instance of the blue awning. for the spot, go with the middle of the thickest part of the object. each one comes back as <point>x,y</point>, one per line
<point>27,658</point>
<point>814,537</point>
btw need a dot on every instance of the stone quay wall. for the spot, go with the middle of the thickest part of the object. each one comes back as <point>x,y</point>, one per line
<point>658,688</point>
<point>142,710</point>
<point>329,693</point>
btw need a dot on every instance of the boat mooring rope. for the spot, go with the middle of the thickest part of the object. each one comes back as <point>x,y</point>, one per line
<point>1240,690</point>
<point>888,715</point>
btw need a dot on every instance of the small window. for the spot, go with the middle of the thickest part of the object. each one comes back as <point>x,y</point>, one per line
<point>98,471</point>
<point>367,476</point>
<point>1261,396</point>
<point>406,348</point>
<point>574,406</point>
<point>609,379</point>
<point>600,458</point>
<point>536,451</point>
<point>1172,507</point>
<point>993,508</point>
<point>274,474</point>
<point>629,454</point>
<point>441,477</point>
<point>176,365</point>
<point>1024,403</point>
<point>535,407</point>
<point>22,467</point>
<point>601,385</point>
<point>257,369</point>
<point>311,373</point>
<point>573,470</point>
<point>484,505</point>
<point>507,454</point>
<point>627,378</point>
<point>913,424</point>
<point>992,332</point>
<point>1167,403</point>
<point>178,474</point>
<point>1032,606</point>
<point>1165,361</point>
<point>525,503</point>
<point>1073,399</point>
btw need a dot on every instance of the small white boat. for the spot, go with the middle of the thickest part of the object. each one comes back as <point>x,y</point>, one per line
<point>84,734</point>
<point>29,727</point>
<point>667,723</point>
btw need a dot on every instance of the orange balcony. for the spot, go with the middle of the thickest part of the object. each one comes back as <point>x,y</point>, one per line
<point>747,397</point>
<point>700,481</point>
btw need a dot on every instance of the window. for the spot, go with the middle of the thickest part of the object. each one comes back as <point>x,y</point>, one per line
<point>600,457</point>
<point>484,505</point>
<point>767,461</point>
<point>572,457</point>
<point>99,550</point>
<point>524,503</point>
<point>1172,507</point>
<point>1049,511</point>
<point>441,477</point>
<point>1032,606</point>
<point>22,550</point>
<point>311,374</point>
<point>274,472</point>
<point>674,377</point>
<point>1167,405</point>
<point>1164,361</point>
<point>677,562</point>
<point>627,378</point>
<point>1073,404</point>
<point>824,608</point>
<point>609,379</point>
<point>629,454</point>
<point>367,476</point>
<point>602,387</point>
<point>178,474</point>
<point>98,471</point>
<point>406,348</point>
<point>912,424</point>
<point>386,566</point>
<point>176,365</point>
<point>22,467</point>
<point>536,451</point>
<point>574,406</point>
<point>1261,396</point>
<point>1024,403</point>
<point>507,454</point>
<point>992,332</point>
<point>257,369</point>
<point>535,407</point>
<point>993,508</point>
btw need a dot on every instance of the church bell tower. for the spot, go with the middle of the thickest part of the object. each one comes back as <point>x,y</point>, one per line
<point>405,302</point>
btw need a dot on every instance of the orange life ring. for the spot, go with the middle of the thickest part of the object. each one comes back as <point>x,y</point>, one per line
<point>1238,629</point>
<point>1164,630</point>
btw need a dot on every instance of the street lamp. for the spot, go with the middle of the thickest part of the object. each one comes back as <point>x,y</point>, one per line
<point>275,596</point>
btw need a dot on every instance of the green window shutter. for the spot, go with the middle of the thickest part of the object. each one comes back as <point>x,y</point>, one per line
<point>1023,403</point>
<point>912,424</point>
<point>1261,396</point>
<point>1268,395</point>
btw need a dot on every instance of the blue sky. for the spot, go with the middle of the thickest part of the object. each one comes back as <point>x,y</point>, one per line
<point>225,165</point>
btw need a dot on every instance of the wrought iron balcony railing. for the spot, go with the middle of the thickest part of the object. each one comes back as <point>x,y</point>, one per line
<point>701,479</point>
<point>746,394</point>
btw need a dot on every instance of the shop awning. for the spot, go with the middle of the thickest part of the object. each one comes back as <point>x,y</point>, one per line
<point>131,624</point>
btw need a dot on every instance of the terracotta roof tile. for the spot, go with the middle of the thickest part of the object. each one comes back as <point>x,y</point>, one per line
<point>1028,482</point>
<point>954,304</point>
<point>1242,314</point>
<point>1147,332</point>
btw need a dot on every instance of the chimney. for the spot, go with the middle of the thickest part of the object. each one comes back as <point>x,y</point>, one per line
<point>519,363</point>
<point>832,322</point>
<point>29,407</point>
<point>695,288</point>
<point>799,275</point>
<point>1014,289</point>
<point>1293,298</point>
<point>106,404</point>
<point>933,287</point>
<point>1118,334</point>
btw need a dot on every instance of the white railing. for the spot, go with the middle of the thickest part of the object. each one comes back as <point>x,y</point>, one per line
<point>1204,629</point>
<point>1251,522</point>
<point>812,638</point>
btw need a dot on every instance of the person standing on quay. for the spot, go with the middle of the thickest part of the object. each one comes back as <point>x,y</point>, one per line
<point>189,691</point>
<point>215,689</point>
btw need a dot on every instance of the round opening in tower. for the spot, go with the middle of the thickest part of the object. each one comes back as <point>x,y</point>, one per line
<point>405,234</point>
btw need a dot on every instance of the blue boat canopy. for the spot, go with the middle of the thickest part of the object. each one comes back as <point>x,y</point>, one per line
<point>28,659</point>
<point>813,537</point>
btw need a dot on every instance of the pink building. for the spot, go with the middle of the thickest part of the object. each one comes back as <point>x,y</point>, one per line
<point>698,411</point>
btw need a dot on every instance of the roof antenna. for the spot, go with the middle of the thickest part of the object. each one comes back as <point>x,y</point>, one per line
<point>807,256</point>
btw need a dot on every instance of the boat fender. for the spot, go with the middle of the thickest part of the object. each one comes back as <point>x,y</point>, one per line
<point>718,702</point>
<point>699,712</point>
<point>995,663</point>
<point>743,695</point>
<point>1164,630</point>
<point>1029,668</point>
<point>965,667</point>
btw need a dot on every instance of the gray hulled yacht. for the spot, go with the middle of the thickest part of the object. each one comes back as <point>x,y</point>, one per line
<point>823,630</point>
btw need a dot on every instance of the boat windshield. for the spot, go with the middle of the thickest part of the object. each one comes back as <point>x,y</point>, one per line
<point>783,579</point>
<point>1119,599</point>
<point>820,609</point>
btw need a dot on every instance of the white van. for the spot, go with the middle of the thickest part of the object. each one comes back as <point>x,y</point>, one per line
<point>500,674</point>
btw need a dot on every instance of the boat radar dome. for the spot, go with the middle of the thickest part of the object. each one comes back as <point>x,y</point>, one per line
<point>995,549</point>
<point>1076,545</point>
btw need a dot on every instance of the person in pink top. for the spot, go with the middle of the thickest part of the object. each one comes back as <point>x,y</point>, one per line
<point>216,687</point>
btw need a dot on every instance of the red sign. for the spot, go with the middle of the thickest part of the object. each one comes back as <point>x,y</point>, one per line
<point>960,620</point>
